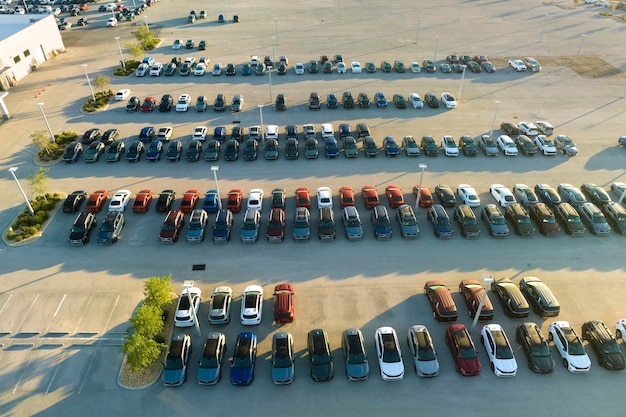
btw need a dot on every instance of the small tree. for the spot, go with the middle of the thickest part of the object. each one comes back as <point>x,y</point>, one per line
<point>40,139</point>
<point>148,320</point>
<point>141,351</point>
<point>134,49</point>
<point>39,181</point>
<point>142,34</point>
<point>157,291</point>
<point>102,81</point>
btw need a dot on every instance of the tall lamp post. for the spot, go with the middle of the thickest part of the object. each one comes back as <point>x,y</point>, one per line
<point>119,48</point>
<point>487,279</point>
<point>419,190</point>
<point>495,115</point>
<point>215,168</point>
<point>45,119</point>
<point>30,208</point>
<point>462,79</point>
<point>145,18</point>
<point>580,48</point>
<point>93,96</point>
<point>276,28</point>
<point>545,22</point>
<point>436,44</point>
<point>260,106</point>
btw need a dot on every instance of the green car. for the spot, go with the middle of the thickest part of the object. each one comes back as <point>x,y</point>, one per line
<point>314,67</point>
<point>310,149</point>
<point>212,152</point>
<point>473,66</point>
<point>202,45</point>
<point>350,147</point>
<point>385,66</point>
<point>370,67</point>
<point>331,101</point>
<point>328,67</point>
<point>399,66</point>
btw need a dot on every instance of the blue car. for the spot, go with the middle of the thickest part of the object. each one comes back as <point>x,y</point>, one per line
<point>242,368</point>
<point>212,203</point>
<point>219,134</point>
<point>147,134</point>
<point>155,149</point>
<point>622,141</point>
<point>390,146</point>
<point>380,100</point>
<point>332,150</point>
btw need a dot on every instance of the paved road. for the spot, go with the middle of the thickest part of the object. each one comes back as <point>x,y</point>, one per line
<point>64,310</point>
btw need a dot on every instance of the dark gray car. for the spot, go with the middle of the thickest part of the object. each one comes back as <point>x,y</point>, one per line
<point>357,366</point>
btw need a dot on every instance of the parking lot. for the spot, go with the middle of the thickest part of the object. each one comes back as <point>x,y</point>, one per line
<point>64,310</point>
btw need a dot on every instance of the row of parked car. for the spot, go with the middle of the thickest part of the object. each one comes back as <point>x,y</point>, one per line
<point>526,209</point>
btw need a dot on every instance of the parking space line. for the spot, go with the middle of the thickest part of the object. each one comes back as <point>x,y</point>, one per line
<point>54,374</point>
<point>106,325</point>
<point>6,303</point>
<point>87,371</point>
<point>26,314</point>
<point>56,312</point>
<point>23,373</point>
<point>83,315</point>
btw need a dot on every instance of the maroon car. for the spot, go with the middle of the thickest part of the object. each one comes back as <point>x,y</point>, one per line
<point>441,301</point>
<point>276,225</point>
<point>545,219</point>
<point>472,292</point>
<point>463,351</point>
<point>171,226</point>
<point>283,303</point>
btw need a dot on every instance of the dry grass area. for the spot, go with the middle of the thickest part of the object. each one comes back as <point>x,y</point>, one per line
<point>146,377</point>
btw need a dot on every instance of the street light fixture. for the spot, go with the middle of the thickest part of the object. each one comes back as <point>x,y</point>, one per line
<point>93,96</point>
<point>119,48</point>
<point>580,48</point>
<point>30,208</point>
<point>45,119</point>
<point>487,279</point>
<point>215,168</point>
<point>146,20</point>
<point>419,190</point>
<point>495,115</point>
<point>462,79</point>
<point>260,106</point>
<point>276,28</point>
<point>436,44</point>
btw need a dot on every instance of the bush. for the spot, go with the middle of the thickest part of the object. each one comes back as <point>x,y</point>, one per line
<point>102,99</point>
<point>157,291</point>
<point>141,351</point>
<point>25,225</point>
<point>147,321</point>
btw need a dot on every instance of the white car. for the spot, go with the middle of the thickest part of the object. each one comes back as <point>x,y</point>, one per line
<point>309,130</point>
<point>112,22</point>
<point>271,132</point>
<point>219,307</point>
<point>199,133</point>
<point>517,64</point>
<point>389,354</point>
<point>618,188</point>
<point>255,199</point>
<point>299,68</point>
<point>502,194</point>
<point>355,67</point>
<point>122,94</point>
<point>620,330</point>
<point>415,67</point>
<point>328,131</point>
<point>422,351</point>
<point>164,134</point>
<point>188,304</point>
<point>252,305</point>
<point>191,60</point>
<point>156,69</point>
<point>468,195</point>
<point>200,69</point>
<point>324,197</point>
<point>416,101</point>
<point>183,102</point>
<point>341,68</point>
<point>507,146</point>
<point>119,201</point>
<point>449,146</point>
<point>254,60</point>
<point>177,44</point>
<point>570,347</point>
<point>545,145</point>
<point>499,350</point>
<point>142,70</point>
<point>528,128</point>
<point>448,100</point>
<point>217,68</point>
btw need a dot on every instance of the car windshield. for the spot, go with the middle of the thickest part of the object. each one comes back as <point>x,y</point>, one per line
<point>242,359</point>
<point>168,226</point>
<point>610,347</point>
<point>390,349</point>
<point>282,358</point>
<point>408,222</point>
<point>209,359</point>
<point>382,222</point>
<point>320,352</point>
<point>78,229</point>
<point>574,346</point>
<point>503,350</point>
<point>107,227</point>
<point>183,304</point>
<point>498,220</point>
<point>195,226</point>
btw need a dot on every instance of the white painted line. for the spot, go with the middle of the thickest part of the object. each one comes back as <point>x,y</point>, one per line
<point>56,370</point>
<point>83,315</point>
<point>6,303</point>
<point>28,312</point>
<point>59,307</point>
<point>106,325</point>
<point>23,373</point>
<point>82,384</point>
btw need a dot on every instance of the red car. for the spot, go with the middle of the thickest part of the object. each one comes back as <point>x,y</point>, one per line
<point>370,196</point>
<point>233,202</point>
<point>441,301</point>
<point>96,201</point>
<point>190,199</point>
<point>394,195</point>
<point>303,197</point>
<point>463,351</point>
<point>346,196</point>
<point>426,197</point>
<point>148,104</point>
<point>142,201</point>
<point>283,303</point>
<point>472,292</point>
<point>276,225</point>
<point>171,226</point>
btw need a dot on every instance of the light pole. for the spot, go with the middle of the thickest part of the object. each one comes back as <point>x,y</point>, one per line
<point>487,280</point>
<point>273,51</point>
<point>45,119</point>
<point>276,28</point>
<point>188,285</point>
<point>419,190</point>
<point>580,48</point>
<point>225,12</point>
<point>436,44</point>
<point>146,20</point>
<point>215,168</point>
<point>495,115</point>
<point>260,106</point>
<point>93,96</point>
<point>545,22</point>
<point>119,48</point>
<point>417,31</point>
<point>462,79</point>
<point>30,208</point>
<point>622,197</point>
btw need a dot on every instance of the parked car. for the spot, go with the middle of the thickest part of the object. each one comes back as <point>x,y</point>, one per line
<point>473,294</point>
<point>389,354</point>
<point>601,340</point>
<point>615,214</point>
<point>252,305</point>
<point>114,152</point>
<point>111,228</point>
<point>468,223</point>
<point>187,308</point>
<point>352,223</point>
<point>283,358</point>
<point>327,230</point>
<point>74,201</point>
<point>535,347</point>
<point>219,306</point>
<point>545,219</point>
<point>407,221</point>
<point>463,350</point>
<point>441,222</point>
<point>320,356</point>
<point>135,151</point>
<point>520,219</point>
<point>569,346</point>
<point>244,358</point>
<point>513,302</point>
<point>177,360</point>
<point>171,227</point>
<point>411,148</point>
<point>165,201</point>
<point>355,356</point>
<point>96,201</point>
<point>499,350</point>
<point>81,228</point>
<point>441,301</point>
<point>539,296</point>
<point>210,363</point>
<point>428,145</point>
<point>495,221</point>
<point>422,351</point>
<point>250,225</point>
<point>196,226</point>
<point>594,219</point>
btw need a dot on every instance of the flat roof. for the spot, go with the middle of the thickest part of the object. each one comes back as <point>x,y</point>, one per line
<point>10,24</point>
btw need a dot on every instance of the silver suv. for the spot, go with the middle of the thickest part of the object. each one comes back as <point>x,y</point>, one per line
<point>352,223</point>
<point>594,219</point>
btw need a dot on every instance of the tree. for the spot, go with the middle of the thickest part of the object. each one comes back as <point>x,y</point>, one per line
<point>142,33</point>
<point>157,291</point>
<point>39,181</point>
<point>148,320</point>
<point>141,351</point>
<point>102,81</point>
<point>40,139</point>
<point>134,49</point>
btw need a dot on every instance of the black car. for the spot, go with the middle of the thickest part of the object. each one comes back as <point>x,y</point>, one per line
<point>231,152</point>
<point>520,219</point>
<point>429,146</point>
<point>320,356</point>
<point>615,214</point>
<point>135,150</point>
<point>165,201</point>
<point>74,201</point>
<point>510,129</point>
<point>280,102</point>
<point>237,133</point>
<point>194,150</point>
<point>465,217</point>
<point>331,101</point>
<point>90,136</point>
<point>72,152</point>
<point>438,217</point>
<point>250,151</point>
<point>170,69</point>
<point>364,101</point>
<point>446,195</point>
<point>292,149</point>
<point>348,100</point>
<point>81,229</point>
<point>431,100</point>
<point>511,298</point>
<point>109,136</point>
<point>525,145</point>
<point>231,69</point>
<point>468,146</point>
<point>166,103</point>
<point>133,104</point>
<point>281,69</point>
<point>540,297</point>
<point>604,344</point>
<point>535,347</point>
<point>370,147</point>
<point>174,151</point>
<point>220,103</point>
<point>596,194</point>
<point>177,360</point>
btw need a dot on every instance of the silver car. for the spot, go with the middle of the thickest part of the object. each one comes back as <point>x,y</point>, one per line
<point>352,223</point>
<point>422,351</point>
<point>219,307</point>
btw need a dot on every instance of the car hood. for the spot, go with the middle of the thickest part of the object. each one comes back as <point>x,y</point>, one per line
<point>357,371</point>
<point>241,376</point>
<point>410,230</point>
<point>322,371</point>
<point>301,231</point>
<point>248,233</point>
<point>77,235</point>
<point>427,368</point>
<point>105,235</point>
<point>173,376</point>
<point>217,313</point>
<point>193,233</point>
<point>354,230</point>
<point>208,375</point>
<point>167,233</point>
<point>579,361</point>
<point>506,366</point>
<point>183,314</point>
<point>470,366</point>
<point>282,374</point>
<point>392,370</point>
<point>543,364</point>
<point>221,233</point>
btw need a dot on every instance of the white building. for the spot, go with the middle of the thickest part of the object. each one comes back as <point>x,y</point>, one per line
<point>26,41</point>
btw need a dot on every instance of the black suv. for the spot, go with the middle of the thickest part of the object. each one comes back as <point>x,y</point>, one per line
<point>326,224</point>
<point>278,198</point>
<point>320,356</point>
<point>511,298</point>
<point>164,203</point>
<point>280,102</point>
<point>250,151</point>
<point>535,347</point>
<point>84,223</point>
<point>540,297</point>
<point>520,219</point>
<point>464,215</point>
<point>220,103</point>
<point>364,101</point>
<point>604,344</point>
<point>438,217</point>
<point>348,100</point>
<point>166,103</point>
<point>468,146</point>
<point>74,201</point>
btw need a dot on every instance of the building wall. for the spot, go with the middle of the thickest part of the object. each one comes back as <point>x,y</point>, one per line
<point>27,42</point>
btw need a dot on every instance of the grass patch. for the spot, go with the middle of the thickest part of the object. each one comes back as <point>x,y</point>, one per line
<point>55,150</point>
<point>27,226</point>
<point>131,67</point>
<point>102,99</point>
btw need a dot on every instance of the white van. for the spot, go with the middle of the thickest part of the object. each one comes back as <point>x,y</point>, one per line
<point>271,132</point>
